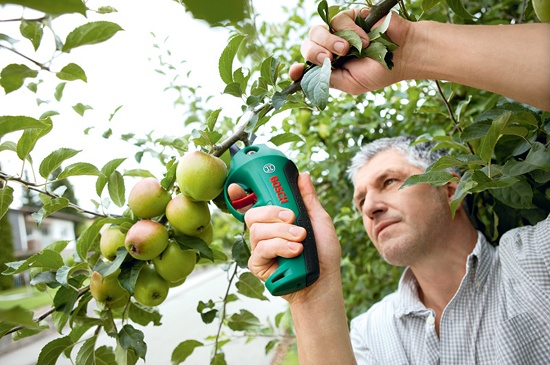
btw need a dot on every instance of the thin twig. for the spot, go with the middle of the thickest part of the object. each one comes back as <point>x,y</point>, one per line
<point>224,312</point>
<point>27,58</point>
<point>451,114</point>
<point>47,313</point>
<point>34,187</point>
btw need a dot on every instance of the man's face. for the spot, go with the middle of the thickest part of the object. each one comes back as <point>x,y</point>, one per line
<point>405,225</point>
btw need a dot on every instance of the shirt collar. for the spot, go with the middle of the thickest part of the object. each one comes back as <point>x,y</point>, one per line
<point>478,266</point>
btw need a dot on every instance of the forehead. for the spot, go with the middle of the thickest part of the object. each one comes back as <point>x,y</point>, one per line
<point>386,161</point>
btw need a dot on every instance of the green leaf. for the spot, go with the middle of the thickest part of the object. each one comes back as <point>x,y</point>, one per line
<point>59,91</point>
<point>285,138</point>
<point>30,136</point>
<point>212,119</point>
<point>29,332</point>
<point>72,72</point>
<point>64,273</point>
<point>51,6</point>
<point>225,63</point>
<point>458,8</point>
<point>269,70</point>
<point>104,355</point>
<point>250,286</point>
<point>517,196</point>
<point>243,321</point>
<point>46,259</point>
<point>240,252</point>
<point>85,241</point>
<point>107,170</point>
<point>54,160</point>
<point>188,242</point>
<point>446,162</point>
<point>18,316</point>
<point>233,88</point>
<point>184,350</point>
<point>86,354</point>
<point>143,315</point>
<point>81,108</point>
<point>6,198</point>
<point>539,156</point>
<point>90,33</point>
<point>13,76</point>
<point>50,353</point>
<point>125,357</point>
<point>128,275</point>
<point>216,11</point>
<point>489,142</point>
<point>116,188</point>
<point>352,37</point>
<point>52,206</point>
<point>79,169</point>
<point>316,84</point>
<point>436,178</point>
<point>131,338</point>
<point>32,31</point>
<point>322,10</point>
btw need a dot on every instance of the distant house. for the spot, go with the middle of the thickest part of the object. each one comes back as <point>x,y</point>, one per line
<point>29,238</point>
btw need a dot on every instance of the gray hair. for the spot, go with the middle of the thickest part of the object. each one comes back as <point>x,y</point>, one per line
<point>421,154</point>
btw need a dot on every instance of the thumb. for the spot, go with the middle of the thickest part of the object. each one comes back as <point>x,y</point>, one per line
<point>314,208</point>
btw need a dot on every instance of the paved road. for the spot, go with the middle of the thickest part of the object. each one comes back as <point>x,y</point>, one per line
<point>180,322</point>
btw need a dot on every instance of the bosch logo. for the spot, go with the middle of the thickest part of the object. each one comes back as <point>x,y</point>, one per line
<point>269,168</point>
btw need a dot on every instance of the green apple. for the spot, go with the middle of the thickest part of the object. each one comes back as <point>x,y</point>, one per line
<point>201,176</point>
<point>173,284</point>
<point>111,239</point>
<point>173,263</point>
<point>108,290</point>
<point>150,289</point>
<point>207,235</point>
<point>187,216</point>
<point>146,239</point>
<point>148,198</point>
<point>542,9</point>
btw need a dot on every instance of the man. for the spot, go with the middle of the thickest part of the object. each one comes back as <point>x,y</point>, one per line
<point>459,301</point>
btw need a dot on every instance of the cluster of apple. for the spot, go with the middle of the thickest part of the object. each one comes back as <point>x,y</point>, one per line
<point>200,178</point>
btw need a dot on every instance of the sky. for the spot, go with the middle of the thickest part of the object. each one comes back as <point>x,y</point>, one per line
<point>120,72</point>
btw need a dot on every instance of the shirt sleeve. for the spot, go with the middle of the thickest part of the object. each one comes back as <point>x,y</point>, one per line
<point>529,247</point>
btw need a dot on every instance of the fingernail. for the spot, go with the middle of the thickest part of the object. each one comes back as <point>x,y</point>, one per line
<point>339,47</point>
<point>285,215</point>
<point>321,57</point>
<point>295,231</point>
<point>294,246</point>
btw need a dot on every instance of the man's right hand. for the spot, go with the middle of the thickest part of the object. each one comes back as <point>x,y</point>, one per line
<point>356,76</point>
<point>273,235</point>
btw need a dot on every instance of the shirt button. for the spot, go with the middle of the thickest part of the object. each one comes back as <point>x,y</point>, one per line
<point>430,320</point>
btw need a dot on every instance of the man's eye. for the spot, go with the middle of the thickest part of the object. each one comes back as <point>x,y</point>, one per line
<point>389,182</point>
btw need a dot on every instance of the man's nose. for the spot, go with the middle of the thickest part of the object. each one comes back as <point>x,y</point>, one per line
<point>373,205</point>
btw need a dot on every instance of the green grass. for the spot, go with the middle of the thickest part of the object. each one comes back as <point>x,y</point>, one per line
<point>28,298</point>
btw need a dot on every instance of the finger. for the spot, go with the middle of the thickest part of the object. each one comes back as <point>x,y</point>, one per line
<point>269,214</point>
<point>314,208</point>
<point>345,20</point>
<point>266,231</point>
<point>263,260</point>
<point>296,71</point>
<point>235,192</point>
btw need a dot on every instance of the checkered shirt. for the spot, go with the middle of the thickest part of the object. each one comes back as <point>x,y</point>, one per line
<point>499,315</point>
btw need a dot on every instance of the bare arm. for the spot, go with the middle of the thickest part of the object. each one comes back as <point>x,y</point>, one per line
<point>511,60</point>
<point>318,311</point>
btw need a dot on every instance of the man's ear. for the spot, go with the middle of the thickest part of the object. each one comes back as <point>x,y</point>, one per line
<point>451,187</point>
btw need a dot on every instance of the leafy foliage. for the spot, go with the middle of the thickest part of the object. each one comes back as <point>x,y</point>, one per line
<point>500,145</point>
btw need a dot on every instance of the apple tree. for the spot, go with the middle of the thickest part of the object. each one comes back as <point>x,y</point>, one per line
<point>115,285</point>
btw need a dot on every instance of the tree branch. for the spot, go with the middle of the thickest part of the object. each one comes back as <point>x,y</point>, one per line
<point>27,58</point>
<point>34,187</point>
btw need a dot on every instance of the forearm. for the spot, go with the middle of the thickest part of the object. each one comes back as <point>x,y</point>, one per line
<point>511,60</point>
<point>321,329</point>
